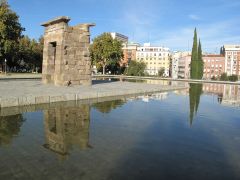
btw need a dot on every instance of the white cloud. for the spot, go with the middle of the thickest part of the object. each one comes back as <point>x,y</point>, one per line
<point>194,17</point>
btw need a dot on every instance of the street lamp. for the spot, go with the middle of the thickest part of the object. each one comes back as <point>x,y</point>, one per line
<point>5,66</point>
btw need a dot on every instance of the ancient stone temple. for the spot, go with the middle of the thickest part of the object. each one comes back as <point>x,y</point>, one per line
<point>66,58</point>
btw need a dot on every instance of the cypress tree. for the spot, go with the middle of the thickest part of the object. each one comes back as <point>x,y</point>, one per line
<point>200,61</point>
<point>196,72</point>
<point>194,58</point>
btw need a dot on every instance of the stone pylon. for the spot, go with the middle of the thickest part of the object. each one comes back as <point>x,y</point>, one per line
<point>66,57</point>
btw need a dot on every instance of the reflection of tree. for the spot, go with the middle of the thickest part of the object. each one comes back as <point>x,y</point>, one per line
<point>9,127</point>
<point>220,97</point>
<point>107,106</point>
<point>66,128</point>
<point>195,92</point>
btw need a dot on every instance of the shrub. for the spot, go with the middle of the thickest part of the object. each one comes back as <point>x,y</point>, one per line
<point>135,69</point>
<point>161,72</point>
<point>224,77</point>
<point>233,78</point>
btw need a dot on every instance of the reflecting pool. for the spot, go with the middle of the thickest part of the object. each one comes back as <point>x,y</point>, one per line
<point>189,134</point>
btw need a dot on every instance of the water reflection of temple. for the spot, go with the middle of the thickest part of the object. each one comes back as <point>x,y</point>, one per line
<point>66,128</point>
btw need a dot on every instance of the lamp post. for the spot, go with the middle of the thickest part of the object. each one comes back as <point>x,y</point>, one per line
<point>5,66</point>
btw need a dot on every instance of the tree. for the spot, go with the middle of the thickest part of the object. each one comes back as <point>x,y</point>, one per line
<point>193,65</point>
<point>233,78</point>
<point>30,53</point>
<point>108,106</point>
<point>10,128</point>
<point>196,66</point>
<point>10,33</point>
<point>135,69</point>
<point>106,51</point>
<point>224,77</point>
<point>200,63</point>
<point>161,72</point>
<point>195,92</point>
<point>222,50</point>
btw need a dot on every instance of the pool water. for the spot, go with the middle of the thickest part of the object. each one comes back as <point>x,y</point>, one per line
<point>189,134</point>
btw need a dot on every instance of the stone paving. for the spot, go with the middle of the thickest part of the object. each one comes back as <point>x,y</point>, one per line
<point>29,92</point>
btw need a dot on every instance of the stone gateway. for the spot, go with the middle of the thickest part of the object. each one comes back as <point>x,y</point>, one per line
<point>66,57</point>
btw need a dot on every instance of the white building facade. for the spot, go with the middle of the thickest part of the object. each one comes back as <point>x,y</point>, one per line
<point>155,58</point>
<point>175,62</point>
<point>232,60</point>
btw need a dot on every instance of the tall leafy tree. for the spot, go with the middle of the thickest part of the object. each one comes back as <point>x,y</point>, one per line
<point>10,33</point>
<point>194,58</point>
<point>30,53</point>
<point>200,64</point>
<point>106,51</point>
<point>196,66</point>
<point>196,72</point>
<point>135,69</point>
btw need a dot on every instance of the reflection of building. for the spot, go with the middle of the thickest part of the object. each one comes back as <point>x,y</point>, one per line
<point>129,53</point>
<point>159,82</point>
<point>155,57</point>
<point>228,95</point>
<point>232,60</point>
<point>214,66</point>
<point>231,95</point>
<point>66,128</point>
<point>213,88</point>
<point>155,96</point>
<point>216,89</point>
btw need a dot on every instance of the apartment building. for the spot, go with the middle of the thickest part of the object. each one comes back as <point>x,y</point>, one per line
<point>175,60</point>
<point>155,57</point>
<point>129,53</point>
<point>232,59</point>
<point>184,67</point>
<point>214,66</point>
<point>122,38</point>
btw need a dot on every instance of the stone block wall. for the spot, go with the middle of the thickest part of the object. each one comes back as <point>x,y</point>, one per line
<point>66,56</point>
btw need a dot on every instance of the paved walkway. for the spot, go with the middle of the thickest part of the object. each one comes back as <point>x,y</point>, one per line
<point>28,92</point>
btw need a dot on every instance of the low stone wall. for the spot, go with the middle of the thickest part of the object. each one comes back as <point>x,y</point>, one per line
<point>24,93</point>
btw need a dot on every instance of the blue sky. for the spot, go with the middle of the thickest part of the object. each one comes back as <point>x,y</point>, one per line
<point>162,22</point>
